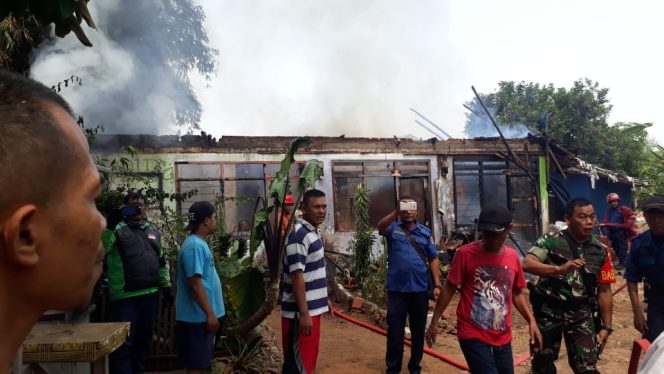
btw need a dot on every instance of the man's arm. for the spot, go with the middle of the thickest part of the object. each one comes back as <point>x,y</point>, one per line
<point>434,265</point>
<point>605,300</point>
<point>200,297</point>
<point>533,265</point>
<point>385,222</point>
<point>299,292</point>
<point>639,318</point>
<point>441,304</point>
<point>521,304</point>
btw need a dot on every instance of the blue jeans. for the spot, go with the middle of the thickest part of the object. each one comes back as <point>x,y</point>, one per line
<point>483,358</point>
<point>416,306</point>
<point>141,311</point>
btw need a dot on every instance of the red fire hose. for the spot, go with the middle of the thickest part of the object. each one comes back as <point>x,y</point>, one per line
<point>620,289</point>
<point>517,361</point>
<point>377,329</point>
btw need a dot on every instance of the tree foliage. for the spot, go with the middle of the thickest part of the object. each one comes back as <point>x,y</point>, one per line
<point>170,40</point>
<point>575,117</point>
<point>653,171</point>
<point>25,23</point>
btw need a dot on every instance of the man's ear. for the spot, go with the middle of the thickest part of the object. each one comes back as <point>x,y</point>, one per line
<point>19,236</point>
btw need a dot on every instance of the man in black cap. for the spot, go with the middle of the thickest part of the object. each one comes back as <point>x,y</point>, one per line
<point>491,279</point>
<point>646,261</point>
<point>199,302</point>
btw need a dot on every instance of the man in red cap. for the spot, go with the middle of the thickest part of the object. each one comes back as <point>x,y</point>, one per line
<point>619,227</point>
<point>286,212</point>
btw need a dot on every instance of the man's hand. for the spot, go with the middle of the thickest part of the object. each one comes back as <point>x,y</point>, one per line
<point>212,323</point>
<point>571,265</point>
<point>305,324</point>
<point>330,314</point>
<point>602,338</point>
<point>431,334</point>
<point>536,341</point>
<point>640,322</point>
<point>436,292</point>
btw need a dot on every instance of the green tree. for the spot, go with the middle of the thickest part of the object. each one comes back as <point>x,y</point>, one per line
<point>575,117</point>
<point>653,171</point>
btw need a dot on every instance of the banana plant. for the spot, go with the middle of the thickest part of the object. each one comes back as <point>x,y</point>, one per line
<point>266,229</point>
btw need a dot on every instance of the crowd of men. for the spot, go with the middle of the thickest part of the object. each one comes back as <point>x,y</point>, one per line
<point>51,256</point>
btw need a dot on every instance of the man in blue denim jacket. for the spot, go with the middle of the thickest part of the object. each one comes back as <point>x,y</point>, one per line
<point>408,282</point>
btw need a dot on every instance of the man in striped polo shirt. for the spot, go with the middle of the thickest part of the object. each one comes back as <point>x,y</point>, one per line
<point>305,287</point>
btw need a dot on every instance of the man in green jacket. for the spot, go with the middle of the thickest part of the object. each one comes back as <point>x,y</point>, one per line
<point>137,270</point>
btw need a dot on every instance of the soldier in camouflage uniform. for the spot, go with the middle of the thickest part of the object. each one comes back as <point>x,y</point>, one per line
<point>574,284</point>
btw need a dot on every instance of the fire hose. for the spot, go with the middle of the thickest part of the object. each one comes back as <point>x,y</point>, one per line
<point>460,365</point>
<point>377,329</point>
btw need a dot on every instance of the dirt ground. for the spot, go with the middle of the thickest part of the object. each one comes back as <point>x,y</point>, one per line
<point>350,349</point>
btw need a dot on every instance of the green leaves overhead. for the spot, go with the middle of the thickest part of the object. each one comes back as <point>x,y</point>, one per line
<point>66,15</point>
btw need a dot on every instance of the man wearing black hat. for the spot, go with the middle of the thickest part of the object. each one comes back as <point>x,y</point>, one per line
<point>491,279</point>
<point>199,302</point>
<point>646,261</point>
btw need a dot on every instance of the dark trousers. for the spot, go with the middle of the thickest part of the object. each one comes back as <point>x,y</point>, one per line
<point>576,326</point>
<point>483,358</point>
<point>399,304</point>
<point>141,312</point>
<point>619,244</point>
<point>655,322</point>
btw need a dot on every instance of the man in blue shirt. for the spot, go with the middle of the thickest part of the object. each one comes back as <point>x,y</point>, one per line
<point>411,254</point>
<point>646,261</point>
<point>199,302</point>
<point>619,227</point>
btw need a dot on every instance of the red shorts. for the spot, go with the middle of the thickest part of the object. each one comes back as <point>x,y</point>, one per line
<point>300,351</point>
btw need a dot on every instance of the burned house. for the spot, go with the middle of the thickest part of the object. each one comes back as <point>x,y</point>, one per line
<point>450,179</point>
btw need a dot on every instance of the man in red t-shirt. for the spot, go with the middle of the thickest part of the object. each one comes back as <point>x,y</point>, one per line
<point>490,277</point>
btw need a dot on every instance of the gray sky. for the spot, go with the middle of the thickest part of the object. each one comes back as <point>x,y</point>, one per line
<point>355,67</point>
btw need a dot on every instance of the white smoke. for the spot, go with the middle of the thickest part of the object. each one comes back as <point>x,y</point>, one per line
<point>128,82</point>
<point>479,125</point>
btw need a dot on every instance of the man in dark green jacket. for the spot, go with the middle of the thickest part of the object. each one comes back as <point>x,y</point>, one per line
<point>137,270</point>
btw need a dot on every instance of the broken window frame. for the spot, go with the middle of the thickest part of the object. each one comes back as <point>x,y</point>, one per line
<point>468,220</point>
<point>398,170</point>
<point>269,169</point>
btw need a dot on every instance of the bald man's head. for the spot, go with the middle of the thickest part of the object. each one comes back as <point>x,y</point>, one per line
<point>35,151</point>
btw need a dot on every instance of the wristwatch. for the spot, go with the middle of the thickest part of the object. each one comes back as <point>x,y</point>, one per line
<point>438,286</point>
<point>608,329</point>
